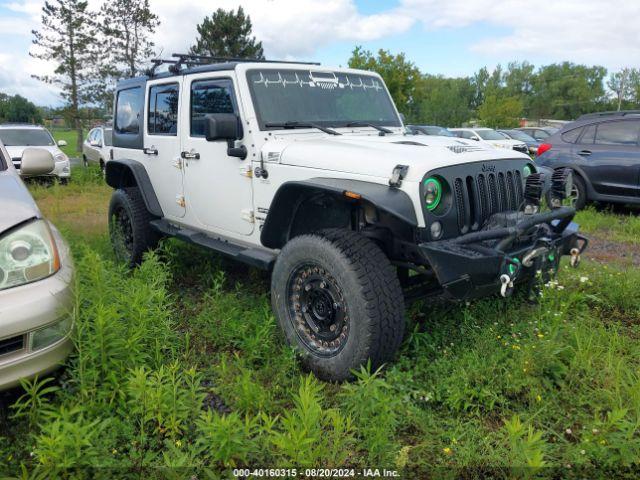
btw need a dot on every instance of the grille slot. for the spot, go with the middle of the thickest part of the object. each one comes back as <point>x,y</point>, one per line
<point>10,345</point>
<point>480,196</point>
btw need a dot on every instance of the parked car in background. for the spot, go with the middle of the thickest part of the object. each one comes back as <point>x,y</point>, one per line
<point>489,136</point>
<point>97,146</point>
<point>16,138</point>
<point>539,133</point>
<point>429,130</point>
<point>604,154</point>
<point>532,143</point>
<point>36,300</point>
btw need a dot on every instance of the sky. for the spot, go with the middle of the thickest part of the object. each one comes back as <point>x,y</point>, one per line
<point>448,37</point>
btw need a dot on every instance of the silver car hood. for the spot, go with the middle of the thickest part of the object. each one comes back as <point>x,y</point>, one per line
<point>16,202</point>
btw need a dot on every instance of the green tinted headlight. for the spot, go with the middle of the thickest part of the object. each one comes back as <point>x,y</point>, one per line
<point>432,192</point>
<point>526,171</point>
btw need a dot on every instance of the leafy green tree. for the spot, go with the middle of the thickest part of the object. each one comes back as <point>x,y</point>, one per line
<point>498,111</point>
<point>126,27</point>
<point>566,90</point>
<point>18,109</point>
<point>227,34</point>
<point>401,76</point>
<point>67,38</point>
<point>445,101</point>
<point>625,86</point>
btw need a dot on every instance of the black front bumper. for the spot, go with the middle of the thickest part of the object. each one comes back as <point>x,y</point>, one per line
<point>511,251</point>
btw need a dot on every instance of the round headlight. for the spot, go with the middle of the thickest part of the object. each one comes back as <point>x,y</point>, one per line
<point>432,192</point>
<point>526,171</point>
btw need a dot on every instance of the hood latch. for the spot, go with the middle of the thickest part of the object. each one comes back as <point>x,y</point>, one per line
<point>399,172</point>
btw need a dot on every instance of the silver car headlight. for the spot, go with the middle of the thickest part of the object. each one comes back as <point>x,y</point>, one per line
<point>60,157</point>
<point>50,334</point>
<point>27,254</point>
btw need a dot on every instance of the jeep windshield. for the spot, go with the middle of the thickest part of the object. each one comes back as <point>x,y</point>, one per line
<point>328,99</point>
<point>25,137</point>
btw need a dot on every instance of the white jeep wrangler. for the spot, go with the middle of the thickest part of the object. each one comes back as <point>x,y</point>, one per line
<point>306,171</point>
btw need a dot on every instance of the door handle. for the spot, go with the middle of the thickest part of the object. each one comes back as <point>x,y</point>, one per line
<point>190,155</point>
<point>150,151</point>
<point>584,153</point>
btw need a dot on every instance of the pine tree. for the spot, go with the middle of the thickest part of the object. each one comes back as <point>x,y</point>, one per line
<point>66,38</point>
<point>227,34</point>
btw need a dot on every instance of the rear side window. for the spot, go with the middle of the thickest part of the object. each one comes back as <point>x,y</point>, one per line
<point>209,96</point>
<point>163,110</point>
<point>128,109</point>
<point>571,136</point>
<point>618,133</point>
<point>589,135</point>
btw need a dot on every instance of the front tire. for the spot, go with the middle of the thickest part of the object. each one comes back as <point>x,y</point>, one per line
<point>85,162</point>
<point>129,226</point>
<point>579,193</point>
<point>338,301</point>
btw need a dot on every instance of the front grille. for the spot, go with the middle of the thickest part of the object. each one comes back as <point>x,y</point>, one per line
<point>479,196</point>
<point>17,161</point>
<point>10,345</point>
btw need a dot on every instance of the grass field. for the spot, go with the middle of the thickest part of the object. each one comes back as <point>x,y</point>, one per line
<point>179,370</point>
<point>70,137</point>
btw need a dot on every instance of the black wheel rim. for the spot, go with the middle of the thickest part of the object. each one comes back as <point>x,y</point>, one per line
<point>317,310</point>
<point>122,233</point>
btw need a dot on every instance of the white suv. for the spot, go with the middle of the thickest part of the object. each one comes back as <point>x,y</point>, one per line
<point>16,138</point>
<point>490,137</point>
<point>96,147</point>
<point>306,171</point>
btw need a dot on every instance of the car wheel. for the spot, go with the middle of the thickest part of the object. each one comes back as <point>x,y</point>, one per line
<point>103,170</point>
<point>338,301</point>
<point>578,193</point>
<point>85,162</point>
<point>129,226</point>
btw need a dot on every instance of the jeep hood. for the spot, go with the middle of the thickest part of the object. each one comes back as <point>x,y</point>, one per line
<point>377,156</point>
<point>17,204</point>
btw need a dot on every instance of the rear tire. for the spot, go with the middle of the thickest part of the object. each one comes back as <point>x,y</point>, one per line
<point>85,162</point>
<point>338,301</point>
<point>129,226</point>
<point>580,190</point>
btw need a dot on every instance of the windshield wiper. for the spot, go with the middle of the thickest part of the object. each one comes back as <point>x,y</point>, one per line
<point>366,124</point>
<point>301,125</point>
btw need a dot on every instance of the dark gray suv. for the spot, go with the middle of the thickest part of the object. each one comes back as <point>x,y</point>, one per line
<point>603,151</point>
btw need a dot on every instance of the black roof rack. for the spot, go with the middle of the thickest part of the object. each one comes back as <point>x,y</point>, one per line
<point>619,113</point>
<point>179,60</point>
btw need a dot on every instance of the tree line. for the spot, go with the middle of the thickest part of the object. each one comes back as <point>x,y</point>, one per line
<point>93,49</point>
<point>500,98</point>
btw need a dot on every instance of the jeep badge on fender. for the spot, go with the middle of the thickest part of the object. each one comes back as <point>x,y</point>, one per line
<point>306,171</point>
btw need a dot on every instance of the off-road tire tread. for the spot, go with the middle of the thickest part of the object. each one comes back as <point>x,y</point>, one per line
<point>145,237</point>
<point>379,295</point>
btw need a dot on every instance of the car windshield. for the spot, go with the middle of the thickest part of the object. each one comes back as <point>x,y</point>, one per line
<point>443,132</point>
<point>518,135</point>
<point>489,135</point>
<point>328,99</point>
<point>26,137</point>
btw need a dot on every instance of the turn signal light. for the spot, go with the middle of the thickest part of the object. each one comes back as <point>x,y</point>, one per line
<point>543,148</point>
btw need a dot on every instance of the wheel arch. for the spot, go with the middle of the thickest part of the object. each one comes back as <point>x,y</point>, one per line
<point>124,173</point>
<point>286,206</point>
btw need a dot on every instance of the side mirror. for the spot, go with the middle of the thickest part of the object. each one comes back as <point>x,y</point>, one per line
<point>475,138</point>
<point>36,161</point>
<point>221,126</point>
<point>62,143</point>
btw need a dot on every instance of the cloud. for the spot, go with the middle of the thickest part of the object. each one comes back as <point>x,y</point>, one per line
<point>586,31</point>
<point>287,28</point>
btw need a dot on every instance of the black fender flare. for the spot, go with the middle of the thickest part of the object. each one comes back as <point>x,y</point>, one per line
<point>287,200</point>
<point>124,173</point>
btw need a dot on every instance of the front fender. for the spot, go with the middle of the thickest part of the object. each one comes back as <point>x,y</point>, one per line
<point>288,197</point>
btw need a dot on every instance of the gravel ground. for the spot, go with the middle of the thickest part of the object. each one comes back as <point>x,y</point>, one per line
<point>603,250</point>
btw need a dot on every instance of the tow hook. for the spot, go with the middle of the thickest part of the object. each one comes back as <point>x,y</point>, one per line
<point>506,289</point>
<point>575,257</point>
